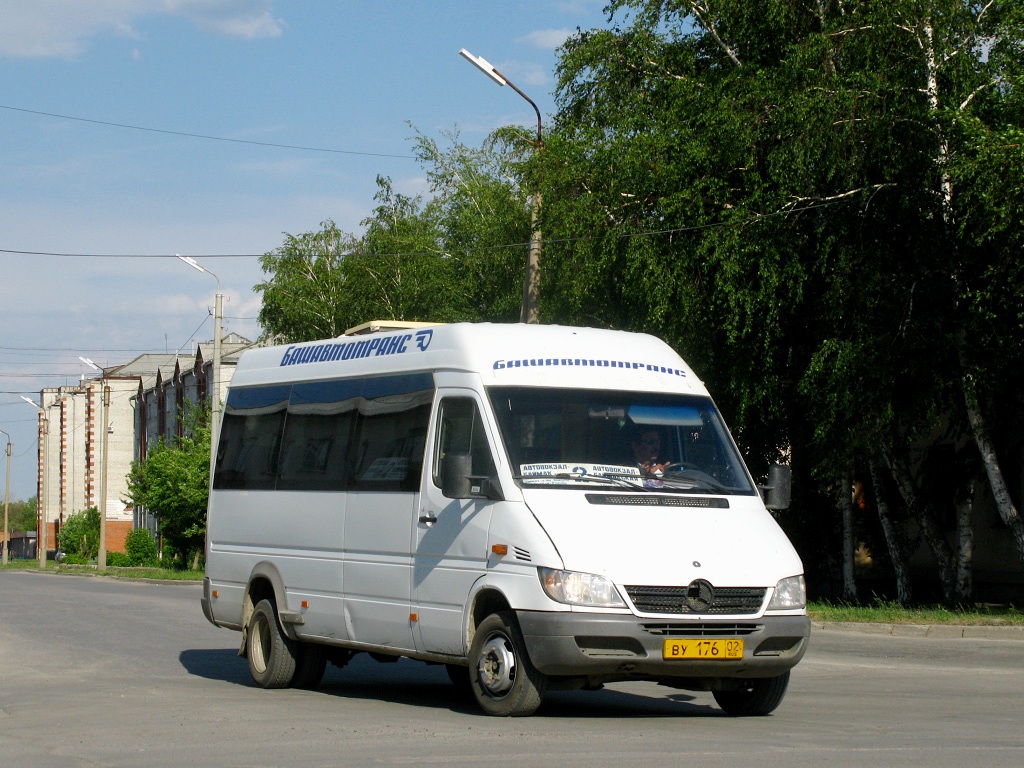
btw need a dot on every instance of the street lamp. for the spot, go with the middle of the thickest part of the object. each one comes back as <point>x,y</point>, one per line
<point>101,550</point>
<point>218,314</point>
<point>44,495</point>
<point>530,312</point>
<point>7,500</point>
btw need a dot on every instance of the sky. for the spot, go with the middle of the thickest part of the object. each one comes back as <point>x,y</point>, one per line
<point>134,130</point>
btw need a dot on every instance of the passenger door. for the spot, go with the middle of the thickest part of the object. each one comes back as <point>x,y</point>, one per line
<point>451,534</point>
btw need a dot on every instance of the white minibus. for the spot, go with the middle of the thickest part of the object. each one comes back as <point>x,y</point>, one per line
<point>535,507</point>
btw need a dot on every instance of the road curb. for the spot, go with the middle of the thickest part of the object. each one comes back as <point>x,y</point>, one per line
<point>938,631</point>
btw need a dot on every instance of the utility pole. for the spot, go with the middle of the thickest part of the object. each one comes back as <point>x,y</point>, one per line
<point>45,495</point>
<point>42,496</point>
<point>101,551</point>
<point>7,500</point>
<point>218,319</point>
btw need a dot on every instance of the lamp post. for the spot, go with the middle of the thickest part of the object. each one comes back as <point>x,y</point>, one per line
<point>7,500</point>
<point>101,550</point>
<point>215,386</point>
<point>43,499</point>
<point>530,312</point>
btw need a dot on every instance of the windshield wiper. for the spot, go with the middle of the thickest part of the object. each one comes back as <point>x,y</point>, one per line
<point>694,480</point>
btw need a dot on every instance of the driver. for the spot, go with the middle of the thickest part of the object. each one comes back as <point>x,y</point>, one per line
<point>646,446</point>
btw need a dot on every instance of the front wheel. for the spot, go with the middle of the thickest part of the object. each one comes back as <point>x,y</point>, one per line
<point>503,680</point>
<point>754,697</point>
<point>271,654</point>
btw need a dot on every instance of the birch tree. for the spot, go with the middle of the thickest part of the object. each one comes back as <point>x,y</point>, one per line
<point>779,189</point>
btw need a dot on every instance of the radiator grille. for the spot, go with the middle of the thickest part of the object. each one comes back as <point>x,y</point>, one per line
<point>730,601</point>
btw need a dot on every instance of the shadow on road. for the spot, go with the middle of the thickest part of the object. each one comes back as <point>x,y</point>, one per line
<point>216,664</point>
<point>421,685</point>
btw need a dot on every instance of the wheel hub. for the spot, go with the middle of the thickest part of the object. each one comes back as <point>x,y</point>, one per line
<point>497,666</point>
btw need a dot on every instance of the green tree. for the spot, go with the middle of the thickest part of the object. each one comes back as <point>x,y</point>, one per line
<point>307,296</point>
<point>774,189</point>
<point>22,515</point>
<point>448,259</point>
<point>172,482</point>
<point>79,536</point>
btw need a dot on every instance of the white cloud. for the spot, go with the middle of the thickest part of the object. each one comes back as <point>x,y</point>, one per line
<point>64,28</point>
<point>247,19</point>
<point>548,39</point>
<point>533,74</point>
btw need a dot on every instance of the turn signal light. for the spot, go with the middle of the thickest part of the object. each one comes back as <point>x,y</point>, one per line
<point>499,549</point>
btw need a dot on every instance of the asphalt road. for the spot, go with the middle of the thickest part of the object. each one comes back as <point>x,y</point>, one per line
<point>99,672</point>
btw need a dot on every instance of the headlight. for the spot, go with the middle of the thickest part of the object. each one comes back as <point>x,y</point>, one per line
<point>790,594</point>
<point>580,588</point>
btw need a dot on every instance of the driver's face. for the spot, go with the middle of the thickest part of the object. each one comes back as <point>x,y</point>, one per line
<point>647,446</point>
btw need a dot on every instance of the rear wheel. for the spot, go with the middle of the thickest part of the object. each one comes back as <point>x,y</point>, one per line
<point>310,664</point>
<point>754,697</point>
<point>270,653</point>
<point>502,679</point>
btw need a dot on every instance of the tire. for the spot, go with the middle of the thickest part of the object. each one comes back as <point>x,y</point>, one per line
<point>503,680</point>
<point>270,653</point>
<point>310,664</point>
<point>754,698</point>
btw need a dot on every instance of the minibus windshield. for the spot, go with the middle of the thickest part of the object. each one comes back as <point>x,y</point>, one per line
<point>573,437</point>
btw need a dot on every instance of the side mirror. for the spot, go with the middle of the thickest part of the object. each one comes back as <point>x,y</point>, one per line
<point>458,482</point>
<point>778,491</point>
<point>455,483</point>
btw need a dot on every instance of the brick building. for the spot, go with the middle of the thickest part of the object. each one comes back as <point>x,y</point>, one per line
<point>95,430</point>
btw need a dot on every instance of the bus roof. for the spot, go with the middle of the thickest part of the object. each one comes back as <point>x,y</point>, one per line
<point>502,354</point>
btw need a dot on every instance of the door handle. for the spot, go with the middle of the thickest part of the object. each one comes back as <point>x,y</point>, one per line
<point>428,519</point>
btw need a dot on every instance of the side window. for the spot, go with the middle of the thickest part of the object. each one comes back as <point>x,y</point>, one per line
<point>460,430</point>
<point>250,438</point>
<point>390,433</point>
<point>321,416</point>
<point>349,434</point>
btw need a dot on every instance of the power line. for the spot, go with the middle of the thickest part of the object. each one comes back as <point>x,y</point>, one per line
<point>613,235</point>
<point>203,136</point>
<point>133,255</point>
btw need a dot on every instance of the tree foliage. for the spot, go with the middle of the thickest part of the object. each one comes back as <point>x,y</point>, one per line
<point>814,202</point>
<point>455,257</point>
<point>172,482</point>
<point>22,515</point>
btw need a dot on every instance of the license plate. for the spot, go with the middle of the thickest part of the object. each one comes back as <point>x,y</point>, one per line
<point>711,650</point>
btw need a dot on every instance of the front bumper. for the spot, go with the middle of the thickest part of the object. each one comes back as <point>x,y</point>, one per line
<point>621,647</point>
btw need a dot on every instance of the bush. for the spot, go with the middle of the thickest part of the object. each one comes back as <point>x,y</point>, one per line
<point>140,549</point>
<point>74,558</point>
<point>80,534</point>
<point>117,560</point>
